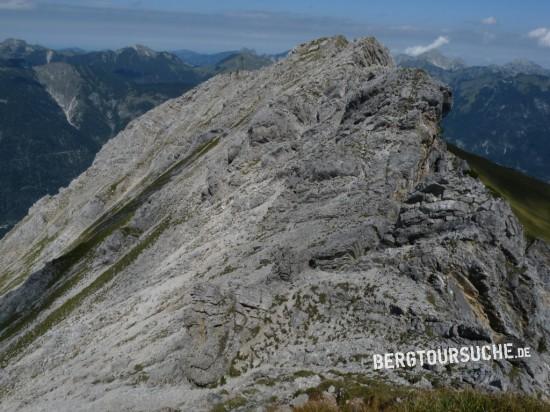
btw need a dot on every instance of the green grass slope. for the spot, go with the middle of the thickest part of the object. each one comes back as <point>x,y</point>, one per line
<point>528,197</point>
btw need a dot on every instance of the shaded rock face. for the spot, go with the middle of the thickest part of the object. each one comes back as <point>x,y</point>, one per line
<point>302,217</point>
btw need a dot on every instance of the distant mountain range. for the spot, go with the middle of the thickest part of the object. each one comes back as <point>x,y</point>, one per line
<point>218,59</point>
<point>429,60</point>
<point>436,62</point>
<point>201,59</point>
<point>500,112</point>
<point>58,107</point>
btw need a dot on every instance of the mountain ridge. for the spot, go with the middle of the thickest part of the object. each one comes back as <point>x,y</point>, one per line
<point>269,229</point>
<point>99,92</point>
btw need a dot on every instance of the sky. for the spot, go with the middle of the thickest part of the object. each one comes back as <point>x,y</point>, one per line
<point>480,32</point>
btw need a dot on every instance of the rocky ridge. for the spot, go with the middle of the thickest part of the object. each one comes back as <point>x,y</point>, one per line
<point>263,231</point>
<point>57,108</point>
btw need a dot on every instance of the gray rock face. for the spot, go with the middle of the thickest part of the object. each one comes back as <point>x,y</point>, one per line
<point>298,218</point>
<point>210,321</point>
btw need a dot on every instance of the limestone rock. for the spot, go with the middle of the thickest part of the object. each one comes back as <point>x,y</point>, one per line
<point>267,228</point>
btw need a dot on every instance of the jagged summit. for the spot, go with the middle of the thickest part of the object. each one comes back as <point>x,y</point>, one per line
<point>296,218</point>
<point>368,49</point>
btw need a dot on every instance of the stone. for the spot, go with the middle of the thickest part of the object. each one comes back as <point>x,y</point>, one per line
<point>262,234</point>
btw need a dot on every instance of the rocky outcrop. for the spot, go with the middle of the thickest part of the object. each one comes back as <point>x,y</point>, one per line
<point>261,231</point>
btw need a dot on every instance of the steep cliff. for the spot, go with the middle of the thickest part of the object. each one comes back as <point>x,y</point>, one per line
<point>263,232</point>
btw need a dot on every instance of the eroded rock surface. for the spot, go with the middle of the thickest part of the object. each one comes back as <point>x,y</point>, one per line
<point>298,218</point>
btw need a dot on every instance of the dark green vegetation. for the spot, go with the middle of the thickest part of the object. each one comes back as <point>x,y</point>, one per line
<point>503,118</point>
<point>39,150</point>
<point>57,108</point>
<point>528,197</point>
<point>499,112</point>
<point>359,394</point>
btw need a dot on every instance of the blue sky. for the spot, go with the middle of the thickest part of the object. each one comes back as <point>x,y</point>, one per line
<point>481,32</point>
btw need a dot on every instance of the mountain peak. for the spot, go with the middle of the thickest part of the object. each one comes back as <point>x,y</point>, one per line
<point>144,51</point>
<point>139,49</point>
<point>19,49</point>
<point>525,66</point>
<point>12,42</point>
<point>367,49</point>
<point>18,46</point>
<point>266,223</point>
<point>433,57</point>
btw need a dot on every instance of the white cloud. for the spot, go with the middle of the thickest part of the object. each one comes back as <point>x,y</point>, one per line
<point>416,50</point>
<point>489,20</point>
<point>15,4</point>
<point>542,35</point>
<point>540,32</point>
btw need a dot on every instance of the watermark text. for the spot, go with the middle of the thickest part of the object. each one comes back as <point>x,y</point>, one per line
<point>445,356</point>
